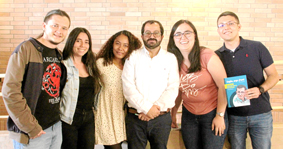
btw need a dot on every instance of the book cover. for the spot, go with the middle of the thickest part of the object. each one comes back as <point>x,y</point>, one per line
<point>235,90</point>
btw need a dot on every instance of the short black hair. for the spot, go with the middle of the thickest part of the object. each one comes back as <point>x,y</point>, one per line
<point>228,13</point>
<point>151,22</point>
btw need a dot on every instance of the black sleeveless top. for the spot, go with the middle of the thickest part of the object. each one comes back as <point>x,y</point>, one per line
<point>86,93</point>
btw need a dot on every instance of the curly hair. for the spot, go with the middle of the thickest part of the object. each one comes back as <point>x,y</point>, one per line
<point>106,52</point>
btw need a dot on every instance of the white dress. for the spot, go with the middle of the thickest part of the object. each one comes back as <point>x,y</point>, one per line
<point>110,116</point>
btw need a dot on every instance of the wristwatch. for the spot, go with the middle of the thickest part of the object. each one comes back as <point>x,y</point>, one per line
<point>221,114</point>
<point>261,89</point>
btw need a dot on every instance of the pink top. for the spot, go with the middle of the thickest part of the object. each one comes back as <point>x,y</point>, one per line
<point>199,91</point>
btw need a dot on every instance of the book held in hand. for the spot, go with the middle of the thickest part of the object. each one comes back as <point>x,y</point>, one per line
<point>235,90</point>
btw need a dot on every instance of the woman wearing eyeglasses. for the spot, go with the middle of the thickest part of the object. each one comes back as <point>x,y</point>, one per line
<point>204,122</point>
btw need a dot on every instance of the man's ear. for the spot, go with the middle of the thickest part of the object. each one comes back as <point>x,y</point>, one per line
<point>43,26</point>
<point>239,27</point>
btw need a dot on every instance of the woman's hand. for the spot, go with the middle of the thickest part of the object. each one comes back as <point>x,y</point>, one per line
<point>218,124</point>
<point>174,121</point>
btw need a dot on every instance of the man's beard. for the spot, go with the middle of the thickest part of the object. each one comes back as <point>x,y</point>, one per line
<point>152,46</point>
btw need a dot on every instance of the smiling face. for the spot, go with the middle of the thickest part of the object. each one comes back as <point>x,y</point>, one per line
<point>81,45</point>
<point>120,46</point>
<point>56,30</point>
<point>228,32</point>
<point>184,37</point>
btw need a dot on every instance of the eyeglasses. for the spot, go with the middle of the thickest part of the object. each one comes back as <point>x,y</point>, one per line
<point>155,34</point>
<point>226,24</point>
<point>179,35</point>
<point>241,92</point>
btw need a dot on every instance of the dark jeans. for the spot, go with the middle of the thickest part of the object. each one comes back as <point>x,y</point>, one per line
<point>197,133</point>
<point>79,135</point>
<point>156,131</point>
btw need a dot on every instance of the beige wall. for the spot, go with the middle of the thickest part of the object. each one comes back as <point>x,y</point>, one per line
<point>261,20</point>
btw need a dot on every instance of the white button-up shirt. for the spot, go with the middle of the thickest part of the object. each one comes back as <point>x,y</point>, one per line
<point>150,81</point>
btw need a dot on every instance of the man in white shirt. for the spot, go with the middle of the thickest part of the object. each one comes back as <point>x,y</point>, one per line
<point>150,85</point>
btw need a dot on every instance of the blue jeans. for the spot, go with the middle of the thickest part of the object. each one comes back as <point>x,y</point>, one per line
<point>51,140</point>
<point>156,131</point>
<point>197,133</point>
<point>259,126</point>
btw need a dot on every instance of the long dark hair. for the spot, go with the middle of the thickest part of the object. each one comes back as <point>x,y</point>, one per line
<point>106,52</point>
<point>194,56</point>
<point>88,59</point>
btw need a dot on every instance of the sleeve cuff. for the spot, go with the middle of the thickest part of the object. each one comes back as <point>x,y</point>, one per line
<point>147,107</point>
<point>35,131</point>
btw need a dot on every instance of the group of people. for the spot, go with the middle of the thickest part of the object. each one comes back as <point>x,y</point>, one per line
<point>127,92</point>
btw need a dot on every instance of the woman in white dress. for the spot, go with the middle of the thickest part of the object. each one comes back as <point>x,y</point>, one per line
<point>110,116</point>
